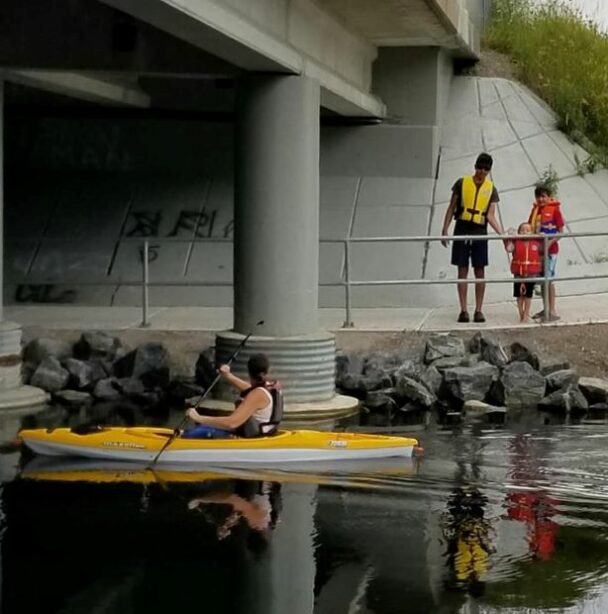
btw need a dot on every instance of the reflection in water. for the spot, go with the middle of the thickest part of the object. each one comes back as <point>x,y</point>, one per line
<point>496,520</point>
<point>466,529</point>
<point>534,507</point>
<point>257,504</point>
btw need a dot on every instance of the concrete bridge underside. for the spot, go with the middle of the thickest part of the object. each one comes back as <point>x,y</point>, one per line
<point>256,77</point>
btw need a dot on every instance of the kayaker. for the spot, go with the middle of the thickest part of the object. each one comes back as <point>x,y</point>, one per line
<point>256,414</point>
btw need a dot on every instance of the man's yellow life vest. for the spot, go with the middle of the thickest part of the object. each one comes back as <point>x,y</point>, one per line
<point>474,203</point>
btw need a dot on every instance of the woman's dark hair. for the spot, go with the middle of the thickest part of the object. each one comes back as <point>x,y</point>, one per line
<point>257,367</point>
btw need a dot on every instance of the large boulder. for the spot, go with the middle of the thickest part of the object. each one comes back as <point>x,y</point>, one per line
<point>520,353</point>
<point>379,399</point>
<point>106,390</point>
<point>521,385</point>
<point>470,383</point>
<point>205,370</point>
<point>568,399</point>
<point>149,363</point>
<point>96,344</point>
<point>39,349</point>
<point>81,373</point>
<point>479,409</point>
<point>72,398</point>
<point>493,353</point>
<point>561,379</point>
<point>547,366</point>
<point>595,389</point>
<point>50,375</point>
<point>432,379</point>
<point>409,388</point>
<point>443,346</point>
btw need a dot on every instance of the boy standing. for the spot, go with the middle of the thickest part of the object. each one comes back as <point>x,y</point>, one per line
<point>473,206</point>
<point>546,218</point>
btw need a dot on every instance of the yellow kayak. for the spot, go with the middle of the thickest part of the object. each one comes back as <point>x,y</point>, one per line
<point>144,443</point>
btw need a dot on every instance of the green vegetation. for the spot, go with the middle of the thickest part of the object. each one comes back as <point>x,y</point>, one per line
<point>564,59</point>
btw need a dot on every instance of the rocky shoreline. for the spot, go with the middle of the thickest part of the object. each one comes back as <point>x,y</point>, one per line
<point>457,379</point>
<point>98,380</point>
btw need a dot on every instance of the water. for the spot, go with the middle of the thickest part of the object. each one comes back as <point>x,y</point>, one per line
<point>508,520</point>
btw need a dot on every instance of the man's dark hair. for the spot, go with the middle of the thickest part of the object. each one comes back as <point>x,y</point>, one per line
<point>258,366</point>
<point>484,160</point>
<point>542,188</point>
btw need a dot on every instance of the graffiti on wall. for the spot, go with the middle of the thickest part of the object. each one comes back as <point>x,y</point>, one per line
<point>200,224</point>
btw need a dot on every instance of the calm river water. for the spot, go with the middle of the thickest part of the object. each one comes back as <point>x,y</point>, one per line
<point>508,520</point>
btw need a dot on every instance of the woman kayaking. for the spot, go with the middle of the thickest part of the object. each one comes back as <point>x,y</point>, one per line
<point>256,414</point>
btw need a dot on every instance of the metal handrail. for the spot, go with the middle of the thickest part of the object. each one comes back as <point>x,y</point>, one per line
<point>347,282</point>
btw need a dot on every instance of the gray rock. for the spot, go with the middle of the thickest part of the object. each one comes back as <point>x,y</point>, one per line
<point>184,387</point>
<point>568,399</point>
<point>443,346</point>
<point>549,365</point>
<point>595,389</point>
<point>205,371</point>
<point>475,343</point>
<point>39,349</point>
<point>106,390</point>
<point>409,368</point>
<point>81,373</point>
<point>479,409</point>
<point>432,379</point>
<point>520,353</point>
<point>387,361</point>
<point>450,362</point>
<point>377,399</point>
<point>470,383</point>
<point>560,379</point>
<point>493,352</point>
<point>359,385</point>
<point>96,344</point>
<point>409,388</point>
<point>50,375</point>
<point>72,398</point>
<point>521,385</point>
<point>149,362</point>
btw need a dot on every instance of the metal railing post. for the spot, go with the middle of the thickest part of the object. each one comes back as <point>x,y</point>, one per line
<point>546,312</point>
<point>146,280</point>
<point>348,323</point>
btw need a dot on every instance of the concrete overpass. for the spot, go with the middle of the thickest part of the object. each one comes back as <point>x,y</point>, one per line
<point>92,85</point>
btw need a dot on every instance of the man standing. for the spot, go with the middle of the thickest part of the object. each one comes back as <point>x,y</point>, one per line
<point>473,206</point>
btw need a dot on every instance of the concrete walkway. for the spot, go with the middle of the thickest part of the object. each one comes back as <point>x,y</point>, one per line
<point>584,309</point>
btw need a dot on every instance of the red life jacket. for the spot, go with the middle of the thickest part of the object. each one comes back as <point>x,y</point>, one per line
<point>527,261</point>
<point>543,218</point>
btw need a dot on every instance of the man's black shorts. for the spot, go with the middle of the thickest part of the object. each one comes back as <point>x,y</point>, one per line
<point>475,252</point>
<point>523,288</point>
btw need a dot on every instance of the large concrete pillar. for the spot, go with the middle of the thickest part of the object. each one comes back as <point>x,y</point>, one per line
<point>276,209</point>
<point>12,393</point>
<point>276,242</point>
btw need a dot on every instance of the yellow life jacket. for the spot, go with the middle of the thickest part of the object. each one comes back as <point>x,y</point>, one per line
<point>474,203</point>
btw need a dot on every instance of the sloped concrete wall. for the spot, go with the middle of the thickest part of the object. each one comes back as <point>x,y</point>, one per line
<point>75,193</point>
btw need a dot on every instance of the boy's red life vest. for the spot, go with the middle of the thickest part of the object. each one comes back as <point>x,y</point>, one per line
<point>543,218</point>
<point>527,261</point>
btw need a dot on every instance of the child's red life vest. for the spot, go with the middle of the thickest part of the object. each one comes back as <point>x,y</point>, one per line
<point>527,261</point>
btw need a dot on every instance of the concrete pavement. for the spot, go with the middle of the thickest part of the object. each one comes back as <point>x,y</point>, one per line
<point>583,309</point>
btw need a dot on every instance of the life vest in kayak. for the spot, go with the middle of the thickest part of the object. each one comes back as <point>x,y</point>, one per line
<point>543,218</point>
<point>526,260</point>
<point>474,202</point>
<point>253,427</point>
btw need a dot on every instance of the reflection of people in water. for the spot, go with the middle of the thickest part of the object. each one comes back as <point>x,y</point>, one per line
<point>469,539</point>
<point>534,507</point>
<point>257,504</point>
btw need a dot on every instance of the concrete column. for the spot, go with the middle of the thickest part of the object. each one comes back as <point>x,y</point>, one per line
<point>276,213</point>
<point>12,393</point>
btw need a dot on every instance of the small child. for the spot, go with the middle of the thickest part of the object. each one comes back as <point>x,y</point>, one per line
<point>546,218</point>
<point>526,262</point>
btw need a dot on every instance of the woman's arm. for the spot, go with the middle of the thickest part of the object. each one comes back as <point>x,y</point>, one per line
<point>255,400</point>
<point>232,379</point>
